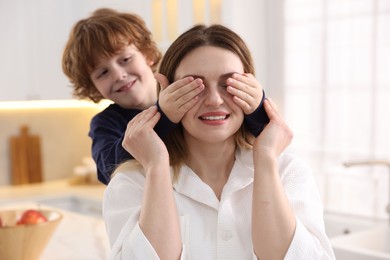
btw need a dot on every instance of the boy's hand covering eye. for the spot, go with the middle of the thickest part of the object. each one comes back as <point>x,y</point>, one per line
<point>246,90</point>
<point>177,98</point>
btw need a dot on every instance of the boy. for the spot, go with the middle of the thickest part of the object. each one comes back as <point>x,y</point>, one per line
<point>112,55</point>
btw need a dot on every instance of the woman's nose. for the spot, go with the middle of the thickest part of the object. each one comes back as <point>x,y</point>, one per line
<point>213,96</point>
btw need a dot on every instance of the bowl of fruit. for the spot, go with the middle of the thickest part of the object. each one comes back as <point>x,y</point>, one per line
<point>24,233</point>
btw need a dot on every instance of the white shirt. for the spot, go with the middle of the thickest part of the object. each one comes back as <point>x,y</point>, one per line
<point>213,229</point>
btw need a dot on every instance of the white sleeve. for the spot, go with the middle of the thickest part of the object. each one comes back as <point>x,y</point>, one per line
<point>121,210</point>
<point>310,240</point>
<point>132,244</point>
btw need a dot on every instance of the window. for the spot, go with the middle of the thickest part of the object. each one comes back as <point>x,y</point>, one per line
<point>337,83</point>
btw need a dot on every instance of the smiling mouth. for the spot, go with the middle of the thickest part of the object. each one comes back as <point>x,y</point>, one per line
<point>126,87</point>
<point>214,118</point>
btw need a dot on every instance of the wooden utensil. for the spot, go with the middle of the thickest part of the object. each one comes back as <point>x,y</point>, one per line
<point>26,165</point>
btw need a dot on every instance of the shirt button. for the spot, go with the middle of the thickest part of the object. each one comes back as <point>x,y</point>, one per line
<point>226,235</point>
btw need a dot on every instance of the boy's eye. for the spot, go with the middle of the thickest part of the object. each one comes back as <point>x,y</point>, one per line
<point>127,59</point>
<point>104,72</point>
<point>101,74</point>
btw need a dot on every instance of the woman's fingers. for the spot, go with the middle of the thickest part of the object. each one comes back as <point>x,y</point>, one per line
<point>140,124</point>
<point>140,139</point>
<point>277,135</point>
<point>271,108</point>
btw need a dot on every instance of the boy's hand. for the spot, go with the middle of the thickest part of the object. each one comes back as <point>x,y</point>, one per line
<point>246,90</point>
<point>176,99</point>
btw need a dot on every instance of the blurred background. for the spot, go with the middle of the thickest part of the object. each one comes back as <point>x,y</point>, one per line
<point>326,63</point>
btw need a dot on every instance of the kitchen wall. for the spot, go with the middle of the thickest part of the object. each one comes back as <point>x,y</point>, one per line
<point>63,133</point>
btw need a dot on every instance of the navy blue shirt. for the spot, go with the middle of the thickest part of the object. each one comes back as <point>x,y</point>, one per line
<point>108,127</point>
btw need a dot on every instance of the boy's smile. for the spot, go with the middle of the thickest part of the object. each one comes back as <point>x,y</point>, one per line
<point>127,86</point>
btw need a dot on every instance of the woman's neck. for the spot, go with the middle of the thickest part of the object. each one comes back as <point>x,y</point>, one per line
<point>212,163</point>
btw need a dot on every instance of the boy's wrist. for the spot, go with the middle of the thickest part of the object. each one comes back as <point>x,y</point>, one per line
<point>163,114</point>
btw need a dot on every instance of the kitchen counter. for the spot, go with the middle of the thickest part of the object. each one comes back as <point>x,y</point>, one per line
<point>78,236</point>
<point>50,188</point>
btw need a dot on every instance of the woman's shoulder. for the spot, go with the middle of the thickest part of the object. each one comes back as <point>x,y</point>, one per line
<point>293,166</point>
<point>287,161</point>
<point>288,158</point>
<point>128,172</point>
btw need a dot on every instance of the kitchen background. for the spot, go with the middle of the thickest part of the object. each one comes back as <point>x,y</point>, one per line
<point>326,63</point>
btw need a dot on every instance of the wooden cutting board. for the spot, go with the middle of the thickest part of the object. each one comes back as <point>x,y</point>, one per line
<point>26,162</point>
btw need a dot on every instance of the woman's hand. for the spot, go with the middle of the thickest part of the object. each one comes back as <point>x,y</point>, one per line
<point>177,98</point>
<point>276,136</point>
<point>142,142</point>
<point>273,220</point>
<point>246,90</point>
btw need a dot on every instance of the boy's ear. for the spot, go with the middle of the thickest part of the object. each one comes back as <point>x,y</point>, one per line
<point>150,62</point>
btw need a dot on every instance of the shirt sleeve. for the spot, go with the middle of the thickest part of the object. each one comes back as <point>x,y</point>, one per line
<point>106,132</point>
<point>310,240</point>
<point>121,210</point>
<point>135,246</point>
<point>164,125</point>
<point>256,121</point>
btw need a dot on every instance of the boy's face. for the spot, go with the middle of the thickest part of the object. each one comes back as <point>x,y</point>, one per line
<point>127,79</point>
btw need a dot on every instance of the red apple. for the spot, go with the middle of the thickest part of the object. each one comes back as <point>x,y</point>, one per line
<point>31,216</point>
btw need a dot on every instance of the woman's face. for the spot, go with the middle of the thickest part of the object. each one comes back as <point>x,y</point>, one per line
<point>215,117</point>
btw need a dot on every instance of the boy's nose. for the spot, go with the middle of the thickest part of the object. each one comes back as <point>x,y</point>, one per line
<point>120,74</point>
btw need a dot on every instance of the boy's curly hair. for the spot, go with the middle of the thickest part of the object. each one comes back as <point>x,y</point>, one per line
<point>102,35</point>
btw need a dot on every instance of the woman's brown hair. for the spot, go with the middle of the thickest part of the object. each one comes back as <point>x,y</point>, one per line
<point>102,35</point>
<point>201,35</point>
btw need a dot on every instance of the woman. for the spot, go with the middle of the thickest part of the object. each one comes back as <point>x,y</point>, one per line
<point>213,191</point>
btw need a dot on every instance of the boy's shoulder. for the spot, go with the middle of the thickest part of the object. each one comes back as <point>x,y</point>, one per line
<point>116,112</point>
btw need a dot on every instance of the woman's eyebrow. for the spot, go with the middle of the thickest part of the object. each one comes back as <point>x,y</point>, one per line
<point>227,75</point>
<point>223,76</point>
<point>193,75</point>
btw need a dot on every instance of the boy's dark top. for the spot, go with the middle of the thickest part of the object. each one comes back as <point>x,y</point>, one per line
<point>107,130</point>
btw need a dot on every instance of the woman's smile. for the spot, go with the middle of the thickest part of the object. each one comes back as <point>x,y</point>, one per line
<point>214,118</point>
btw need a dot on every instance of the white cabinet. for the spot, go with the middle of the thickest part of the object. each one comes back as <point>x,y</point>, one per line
<point>33,35</point>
